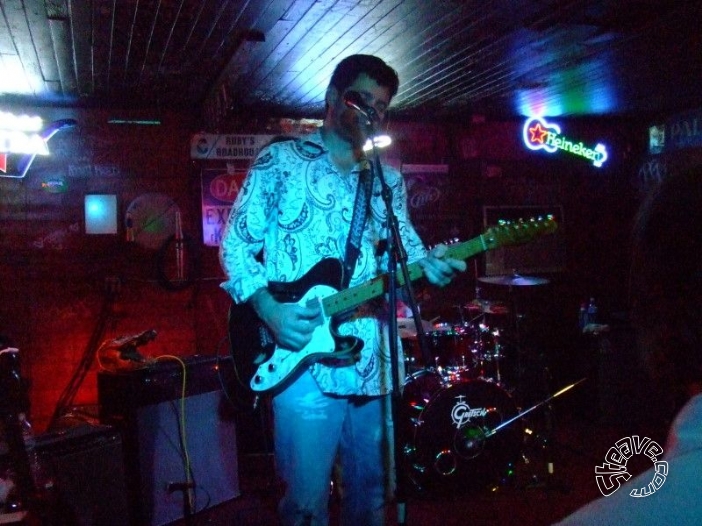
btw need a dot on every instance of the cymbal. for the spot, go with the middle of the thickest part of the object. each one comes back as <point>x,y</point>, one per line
<point>514,280</point>
<point>488,307</point>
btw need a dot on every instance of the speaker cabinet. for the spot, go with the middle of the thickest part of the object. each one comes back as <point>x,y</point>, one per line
<point>85,463</point>
<point>164,433</point>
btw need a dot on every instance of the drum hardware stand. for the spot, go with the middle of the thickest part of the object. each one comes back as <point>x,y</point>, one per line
<point>549,483</point>
<point>532,408</point>
<point>548,438</point>
<point>511,281</point>
<point>186,488</point>
<point>518,318</point>
<point>459,308</point>
<point>497,356</point>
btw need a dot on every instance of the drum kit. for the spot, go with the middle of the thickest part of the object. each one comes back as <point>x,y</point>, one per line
<point>462,427</point>
<point>465,349</point>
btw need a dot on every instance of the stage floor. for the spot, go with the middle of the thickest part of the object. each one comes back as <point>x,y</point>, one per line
<point>530,496</point>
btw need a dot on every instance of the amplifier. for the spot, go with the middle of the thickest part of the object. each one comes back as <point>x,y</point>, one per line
<point>86,465</point>
<point>146,405</point>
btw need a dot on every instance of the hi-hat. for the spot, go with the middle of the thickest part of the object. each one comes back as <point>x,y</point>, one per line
<point>513,280</point>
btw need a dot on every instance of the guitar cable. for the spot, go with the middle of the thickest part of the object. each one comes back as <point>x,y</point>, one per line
<point>189,485</point>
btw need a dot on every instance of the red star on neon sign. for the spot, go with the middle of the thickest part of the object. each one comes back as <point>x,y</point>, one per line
<point>538,133</point>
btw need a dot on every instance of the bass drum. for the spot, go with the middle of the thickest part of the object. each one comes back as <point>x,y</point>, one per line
<point>454,442</point>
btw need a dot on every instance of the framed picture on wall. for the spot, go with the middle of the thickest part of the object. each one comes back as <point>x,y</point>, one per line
<point>545,254</point>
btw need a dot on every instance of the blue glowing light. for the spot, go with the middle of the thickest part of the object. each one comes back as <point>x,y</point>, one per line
<point>101,214</point>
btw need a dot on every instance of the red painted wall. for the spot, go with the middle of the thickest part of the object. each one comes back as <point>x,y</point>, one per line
<point>64,292</point>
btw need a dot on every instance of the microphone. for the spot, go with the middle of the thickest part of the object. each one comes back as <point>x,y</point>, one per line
<point>136,340</point>
<point>353,99</point>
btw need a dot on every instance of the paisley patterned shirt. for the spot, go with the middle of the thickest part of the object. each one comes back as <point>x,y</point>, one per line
<point>294,210</point>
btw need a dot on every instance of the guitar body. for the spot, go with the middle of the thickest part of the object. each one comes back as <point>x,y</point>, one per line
<point>262,364</point>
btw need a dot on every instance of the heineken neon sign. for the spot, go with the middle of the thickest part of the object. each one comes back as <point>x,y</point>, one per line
<point>541,135</point>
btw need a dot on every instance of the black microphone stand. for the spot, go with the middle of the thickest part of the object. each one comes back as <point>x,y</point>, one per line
<point>396,255</point>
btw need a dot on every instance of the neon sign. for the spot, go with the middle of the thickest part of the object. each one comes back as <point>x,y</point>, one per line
<point>20,134</point>
<point>541,135</point>
<point>26,136</point>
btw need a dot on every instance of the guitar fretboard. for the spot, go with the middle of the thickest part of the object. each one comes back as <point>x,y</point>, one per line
<point>359,294</point>
<point>506,233</point>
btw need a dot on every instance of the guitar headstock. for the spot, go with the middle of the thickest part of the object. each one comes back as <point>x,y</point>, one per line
<point>519,231</point>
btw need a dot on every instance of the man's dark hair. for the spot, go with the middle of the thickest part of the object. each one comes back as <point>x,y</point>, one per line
<point>348,70</point>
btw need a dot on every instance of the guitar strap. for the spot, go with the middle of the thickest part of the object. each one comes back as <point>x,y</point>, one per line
<point>358,221</point>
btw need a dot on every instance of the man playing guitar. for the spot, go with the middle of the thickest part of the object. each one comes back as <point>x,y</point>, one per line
<point>291,218</point>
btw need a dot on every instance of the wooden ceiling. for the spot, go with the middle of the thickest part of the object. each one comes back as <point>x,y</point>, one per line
<point>455,58</point>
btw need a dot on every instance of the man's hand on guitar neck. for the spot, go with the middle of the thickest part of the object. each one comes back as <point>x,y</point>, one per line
<point>438,269</point>
<point>292,325</point>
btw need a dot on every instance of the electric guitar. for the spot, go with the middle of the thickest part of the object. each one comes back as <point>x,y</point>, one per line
<point>266,366</point>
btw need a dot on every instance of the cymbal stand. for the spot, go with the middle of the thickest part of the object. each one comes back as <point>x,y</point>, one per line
<point>546,439</point>
<point>518,317</point>
<point>461,317</point>
<point>497,358</point>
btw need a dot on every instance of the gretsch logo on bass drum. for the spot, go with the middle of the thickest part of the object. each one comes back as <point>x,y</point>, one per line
<point>462,413</point>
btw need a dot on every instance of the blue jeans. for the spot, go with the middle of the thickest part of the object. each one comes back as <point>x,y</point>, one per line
<point>311,428</point>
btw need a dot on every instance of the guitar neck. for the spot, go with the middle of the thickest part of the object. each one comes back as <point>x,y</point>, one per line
<point>354,296</point>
